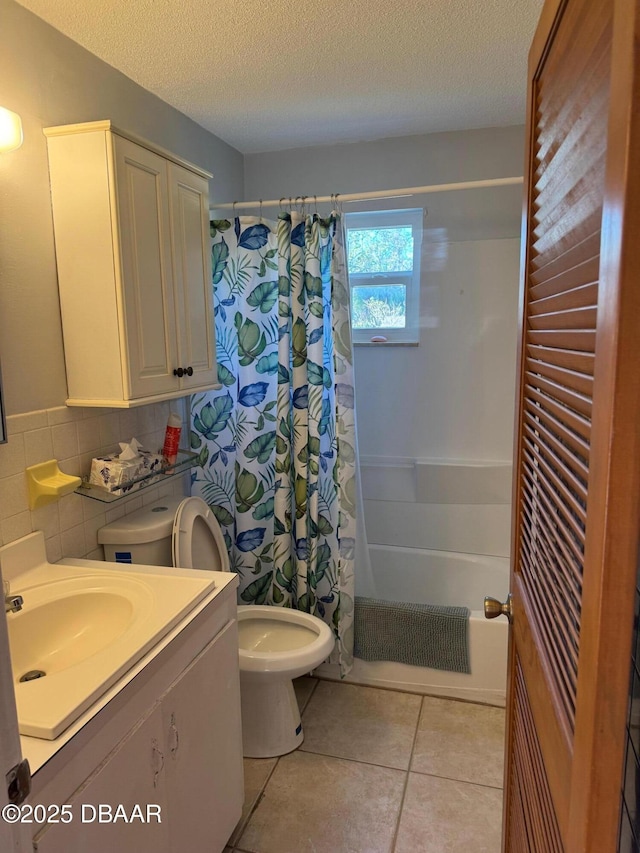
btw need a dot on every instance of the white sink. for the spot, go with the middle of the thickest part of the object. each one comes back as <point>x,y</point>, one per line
<point>83,626</point>
<point>65,623</point>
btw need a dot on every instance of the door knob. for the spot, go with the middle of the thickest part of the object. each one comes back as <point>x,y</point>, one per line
<point>493,608</point>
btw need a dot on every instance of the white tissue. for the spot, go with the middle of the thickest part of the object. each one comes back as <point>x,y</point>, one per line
<point>129,450</point>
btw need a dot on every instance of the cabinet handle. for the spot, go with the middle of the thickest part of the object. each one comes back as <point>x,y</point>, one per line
<point>179,372</point>
<point>189,371</point>
<point>174,738</point>
<point>158,762</point>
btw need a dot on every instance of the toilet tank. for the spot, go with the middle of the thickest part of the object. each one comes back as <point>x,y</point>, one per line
<point>144,537</point>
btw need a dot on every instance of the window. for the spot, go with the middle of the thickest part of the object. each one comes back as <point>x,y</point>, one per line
<point>383,252</point>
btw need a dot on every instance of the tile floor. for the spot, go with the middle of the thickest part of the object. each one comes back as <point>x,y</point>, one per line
<point>378,771</point>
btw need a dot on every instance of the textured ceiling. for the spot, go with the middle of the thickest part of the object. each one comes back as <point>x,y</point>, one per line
<point>271,74</point>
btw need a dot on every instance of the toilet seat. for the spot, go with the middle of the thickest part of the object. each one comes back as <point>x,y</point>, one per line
<point>197,541</point>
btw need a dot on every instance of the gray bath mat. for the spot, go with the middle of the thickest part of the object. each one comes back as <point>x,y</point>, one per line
<point>419,634</point>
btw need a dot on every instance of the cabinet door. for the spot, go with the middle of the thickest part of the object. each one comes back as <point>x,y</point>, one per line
<point>203,740</point>
<point>132,775</point>
<point>192,276</point>
<point>146,296</point>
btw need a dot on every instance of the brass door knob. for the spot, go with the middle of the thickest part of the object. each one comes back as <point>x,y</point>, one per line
<point>493,608</point>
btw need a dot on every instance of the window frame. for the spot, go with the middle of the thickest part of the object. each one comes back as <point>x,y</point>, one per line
<point>376,219</point>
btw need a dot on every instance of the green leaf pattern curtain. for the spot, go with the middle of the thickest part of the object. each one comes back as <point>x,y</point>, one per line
<point>277,442</point>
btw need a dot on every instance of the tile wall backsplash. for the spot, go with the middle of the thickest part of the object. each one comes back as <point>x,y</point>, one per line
<point>74,436</point>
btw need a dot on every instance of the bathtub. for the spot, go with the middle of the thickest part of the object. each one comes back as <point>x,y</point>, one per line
<point>440,577</point>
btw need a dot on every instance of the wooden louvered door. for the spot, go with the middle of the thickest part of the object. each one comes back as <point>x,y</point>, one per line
<point>577,481</point>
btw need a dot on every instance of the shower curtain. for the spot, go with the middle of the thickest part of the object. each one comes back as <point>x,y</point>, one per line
<point>276,443</point>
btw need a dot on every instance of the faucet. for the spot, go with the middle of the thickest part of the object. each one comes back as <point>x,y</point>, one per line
<point>12,603</point>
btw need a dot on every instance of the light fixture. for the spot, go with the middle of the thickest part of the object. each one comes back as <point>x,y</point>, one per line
<point>10,130</point>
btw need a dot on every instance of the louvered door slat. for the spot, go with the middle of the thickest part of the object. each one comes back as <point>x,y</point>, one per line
<point>545,489</point>
<point>583,273</point>
<point>564,262</point>
<point>583,341</point>
<point>564,594</point>
<point>581,383</point>
<point>567,611</point>
<point>570,439</point>
<point>556,175</point>
<point>581,362</point>
<point>568,555</point>
<point>553,636</point>
<point>552,474</point>
<point>562,68</point>
<point>578,318</point>
<point>582,296</point>
<point>538,432</point>
<point>548,450</point>
<point>574,219</point>
<point>533,824</point>
<point>561,393</point>
<point>550,155</point>
<point>565,416</point>
<point>549,509</point>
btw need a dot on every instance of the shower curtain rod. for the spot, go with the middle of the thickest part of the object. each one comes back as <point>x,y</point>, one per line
<point>369,196</point>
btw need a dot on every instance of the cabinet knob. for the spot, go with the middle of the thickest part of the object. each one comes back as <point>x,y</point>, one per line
<point>179,372</point>
<point>189,371</point>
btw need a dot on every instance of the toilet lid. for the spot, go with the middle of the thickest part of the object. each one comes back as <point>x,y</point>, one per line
<point>197,539</point>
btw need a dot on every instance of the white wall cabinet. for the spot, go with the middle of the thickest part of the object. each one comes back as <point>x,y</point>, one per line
<point>183,754</point>
<point>131,226</point>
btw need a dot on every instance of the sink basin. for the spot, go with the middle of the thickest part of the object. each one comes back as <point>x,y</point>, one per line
<point>82,627</point>
<point>65,631</point>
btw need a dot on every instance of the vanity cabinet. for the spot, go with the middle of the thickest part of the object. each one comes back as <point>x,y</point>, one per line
<point>184,755</point>
<point>130,775</point>
<point>131,225</point>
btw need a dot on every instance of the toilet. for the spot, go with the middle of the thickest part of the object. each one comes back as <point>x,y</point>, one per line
<point>276,644</point>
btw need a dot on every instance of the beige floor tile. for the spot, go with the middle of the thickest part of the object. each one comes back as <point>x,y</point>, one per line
<point>444,816</point>
<point>325,805</point>
<point>304,687</point>
<point>362,723</point>
<point>461,741</point>
<point>256,773</point>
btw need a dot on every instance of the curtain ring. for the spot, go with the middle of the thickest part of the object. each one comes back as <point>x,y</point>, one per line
<point>235,212</point>
<point>261,210</point>
<point>282,210</point>
<point>290,205</point>
<point>338,203</point>
<point>315,202</point>
<point>303,209</point>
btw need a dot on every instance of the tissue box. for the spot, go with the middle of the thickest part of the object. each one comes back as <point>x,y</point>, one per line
<point>116,475</point>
